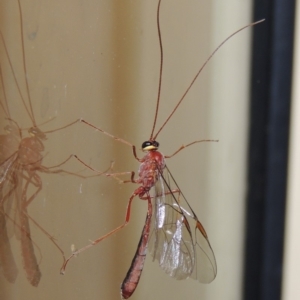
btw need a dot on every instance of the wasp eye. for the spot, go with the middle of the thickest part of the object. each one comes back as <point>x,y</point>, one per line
<point>155,144</point>
<point>36,132</point>
<point>150,145</point>
<point>146,144</point>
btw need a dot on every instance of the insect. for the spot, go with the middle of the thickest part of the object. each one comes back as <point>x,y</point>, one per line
<point>21,163</point>
<point>176,237</point>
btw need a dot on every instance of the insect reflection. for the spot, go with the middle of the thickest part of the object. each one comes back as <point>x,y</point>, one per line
<point>21,163</point>
<point>176,237</point>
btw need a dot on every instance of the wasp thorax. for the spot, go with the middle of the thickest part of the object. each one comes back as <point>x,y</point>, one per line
<point>150,145</point>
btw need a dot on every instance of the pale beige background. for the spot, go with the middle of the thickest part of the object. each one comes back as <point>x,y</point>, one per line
<point>99,60</point>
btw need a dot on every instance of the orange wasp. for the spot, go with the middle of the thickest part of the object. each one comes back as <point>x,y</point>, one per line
<point>172,230</point>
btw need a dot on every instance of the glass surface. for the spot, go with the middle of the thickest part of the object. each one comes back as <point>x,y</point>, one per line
<point>99,60</point>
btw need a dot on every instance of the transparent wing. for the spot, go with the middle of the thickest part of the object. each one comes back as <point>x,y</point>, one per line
<point>7,187</point>
<point>178,240</point>
<point>9,145</point>
<point>7,192</point>
<point>6,168</point>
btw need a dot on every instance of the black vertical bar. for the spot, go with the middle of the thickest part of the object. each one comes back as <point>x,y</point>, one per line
<point>268,148</point>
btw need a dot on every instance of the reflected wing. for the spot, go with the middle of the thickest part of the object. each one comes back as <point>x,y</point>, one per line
<point>7,187</point>
<point>178,239</point>
<point>7,190</point>
<point>9,145</point>
<point>6,168</point>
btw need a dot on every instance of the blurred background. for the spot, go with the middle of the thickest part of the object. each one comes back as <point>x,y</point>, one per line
<point>99,60</point>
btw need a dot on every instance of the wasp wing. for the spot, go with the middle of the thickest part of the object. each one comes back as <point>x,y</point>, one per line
<point>7,187</point>
<point>6,168</point>
<point>178,240</point>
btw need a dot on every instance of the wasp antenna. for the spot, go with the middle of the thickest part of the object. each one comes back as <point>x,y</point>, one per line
<point>160,69</point>
<point>200,70</point>
<point>24,65</point>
